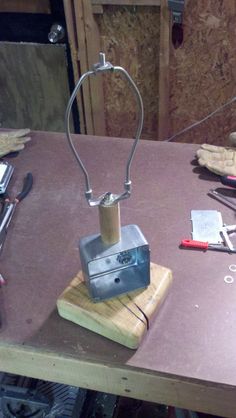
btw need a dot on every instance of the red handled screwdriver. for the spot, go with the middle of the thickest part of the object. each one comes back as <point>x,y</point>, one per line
<point>202,245</point>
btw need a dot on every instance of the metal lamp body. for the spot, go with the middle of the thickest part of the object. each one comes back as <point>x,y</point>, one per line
<point>112,270</point>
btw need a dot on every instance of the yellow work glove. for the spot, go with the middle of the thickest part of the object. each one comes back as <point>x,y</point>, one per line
<point>13,141</point>
<point>219,160</point>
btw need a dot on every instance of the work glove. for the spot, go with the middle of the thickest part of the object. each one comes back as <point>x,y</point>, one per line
<point>219,160</point>
<point>13,141</point>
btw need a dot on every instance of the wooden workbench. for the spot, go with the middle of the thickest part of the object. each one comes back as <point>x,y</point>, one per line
<point>188,358</point>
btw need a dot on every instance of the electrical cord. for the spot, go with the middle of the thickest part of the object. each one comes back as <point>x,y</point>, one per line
<point>200,121</point>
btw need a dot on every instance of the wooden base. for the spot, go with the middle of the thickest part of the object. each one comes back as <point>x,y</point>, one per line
<point>124,319</point>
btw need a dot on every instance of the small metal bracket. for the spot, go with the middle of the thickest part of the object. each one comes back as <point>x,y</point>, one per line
<point>177,8</point>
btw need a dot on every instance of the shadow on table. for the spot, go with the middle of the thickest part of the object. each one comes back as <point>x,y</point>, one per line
<point>204,173</point>
<point>66,338</point>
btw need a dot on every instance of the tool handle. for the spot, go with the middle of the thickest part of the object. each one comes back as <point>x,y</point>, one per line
<point>27,186</point>
<point>190,243</point>
<point>7,216</point>
<point>228,181</point>
<point>3,211</point>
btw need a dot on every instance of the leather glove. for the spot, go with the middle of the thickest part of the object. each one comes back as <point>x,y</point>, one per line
<point>219,160</point>
<point>13,141</point>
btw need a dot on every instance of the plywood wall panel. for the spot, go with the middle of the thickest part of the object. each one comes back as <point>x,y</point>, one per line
<point>25,6</point>
<point>130,37</point>
<point>34,86</point>
<point>203,72</point>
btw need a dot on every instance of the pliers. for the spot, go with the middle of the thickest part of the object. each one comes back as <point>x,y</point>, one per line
<point>9,206</point>
<point>189,243</point>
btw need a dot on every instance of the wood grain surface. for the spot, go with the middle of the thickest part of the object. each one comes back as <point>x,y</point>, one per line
<point>34,86</point>
<point>130,37</point>
<point>69,10</point>
<point>95,84</point>
<point>124,319</point>
<point>203,72</point>
<point>164,79</point>
<point>128,2</point>
<point>25,6</point>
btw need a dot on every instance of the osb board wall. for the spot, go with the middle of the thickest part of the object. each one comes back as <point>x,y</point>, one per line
<point>203,72</point>
<point>130,38</point>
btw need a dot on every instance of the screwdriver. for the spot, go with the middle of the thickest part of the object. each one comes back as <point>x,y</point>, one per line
<point>228,180</point>
<point>222,198</point>
<point>202,245</point>
<point>2,280</point>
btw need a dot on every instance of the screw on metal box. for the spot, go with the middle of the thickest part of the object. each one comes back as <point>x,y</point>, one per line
<point>117,260</point>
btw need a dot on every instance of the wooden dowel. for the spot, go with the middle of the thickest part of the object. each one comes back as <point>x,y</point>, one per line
<point>109,218</point>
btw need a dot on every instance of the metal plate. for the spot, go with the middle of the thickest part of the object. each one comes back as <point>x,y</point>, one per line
<point>206,225</point>
<point>6,171</point>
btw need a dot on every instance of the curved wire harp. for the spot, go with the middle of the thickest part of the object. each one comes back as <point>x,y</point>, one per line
<point>107,199</point>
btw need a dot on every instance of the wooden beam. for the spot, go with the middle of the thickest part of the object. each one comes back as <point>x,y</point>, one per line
<point>71,31</point>
<point>51,90</point>
<point>88,38</point>
<point>96,83</point>
<point>97,9</point>
<point>25,6</point>
<point>163,116</point>
<point>196,395</point>
<point>128,2</point>
<point>84,66</point>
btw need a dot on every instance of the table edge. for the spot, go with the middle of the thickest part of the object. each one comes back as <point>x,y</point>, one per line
<point>197,395</point>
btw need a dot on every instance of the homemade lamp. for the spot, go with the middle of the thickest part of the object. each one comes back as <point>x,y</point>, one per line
<point>117,260</point>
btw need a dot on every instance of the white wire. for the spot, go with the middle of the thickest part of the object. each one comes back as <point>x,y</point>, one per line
<point>200,121</point>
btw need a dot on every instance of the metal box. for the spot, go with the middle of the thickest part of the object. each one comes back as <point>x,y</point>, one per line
<point>111,270</point>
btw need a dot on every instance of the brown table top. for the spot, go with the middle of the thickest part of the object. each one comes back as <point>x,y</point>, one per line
<point>194,334</point>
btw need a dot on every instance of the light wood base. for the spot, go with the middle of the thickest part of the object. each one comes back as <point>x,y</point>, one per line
<point>124,319</point>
